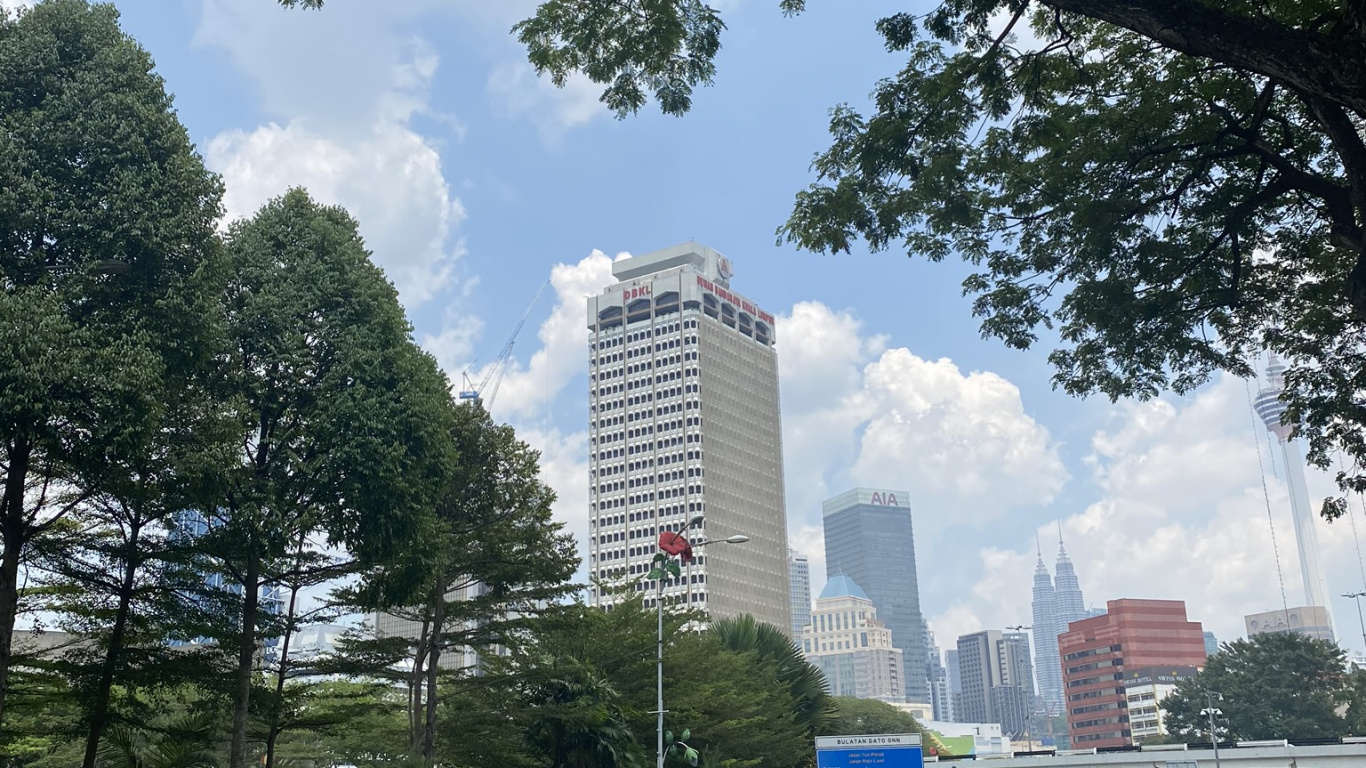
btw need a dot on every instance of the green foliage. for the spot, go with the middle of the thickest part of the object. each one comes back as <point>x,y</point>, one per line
<point>344,723</point>
<point>1274,686</point>
<point>772,646</point>
<point>109,270</point>
<point>1165,188</point>
<point>853,717</point>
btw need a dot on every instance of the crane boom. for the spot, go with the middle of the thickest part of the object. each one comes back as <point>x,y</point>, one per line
<point>494,375</point>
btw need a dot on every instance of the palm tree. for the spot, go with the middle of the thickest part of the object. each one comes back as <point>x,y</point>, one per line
<point>186,742</point>
<point>743,634</point>
<point>575,720</point>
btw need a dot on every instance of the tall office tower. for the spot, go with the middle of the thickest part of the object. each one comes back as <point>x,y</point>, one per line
<point>941,697</point>
<point>1067,592</point>
<point>683,422</point>
<point>848,643</point>
<point>953,671</point>
<point>998,680</point>
<point>1211,643</point>
<point>869,537</point>
<point>1270,408</point>
<point>1099,652</point>
<point>1048,665</point>
<point>799,586</point>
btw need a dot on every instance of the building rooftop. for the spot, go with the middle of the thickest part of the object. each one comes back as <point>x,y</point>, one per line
<point>842,586</point>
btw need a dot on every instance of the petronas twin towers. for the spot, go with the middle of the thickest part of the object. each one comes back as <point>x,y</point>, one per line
<point>1056,604</point>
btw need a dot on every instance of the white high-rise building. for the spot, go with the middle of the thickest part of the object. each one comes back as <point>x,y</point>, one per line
<point>799,575</point>
<point>683,422</point>
<point>1271,409</point>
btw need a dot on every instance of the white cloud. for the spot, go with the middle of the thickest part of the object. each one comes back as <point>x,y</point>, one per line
<point>1181,515</point>
<point>14,5</point>
<point>519,94</point>
<point>563,354</point>
<point>564,467</point>
<point>858,413</point>
<point>347,88</point>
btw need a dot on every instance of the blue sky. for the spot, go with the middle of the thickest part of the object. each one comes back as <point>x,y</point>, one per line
<point>475,183</point>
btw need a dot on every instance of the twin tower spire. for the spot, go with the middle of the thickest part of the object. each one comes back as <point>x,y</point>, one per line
<point>1057,602</point>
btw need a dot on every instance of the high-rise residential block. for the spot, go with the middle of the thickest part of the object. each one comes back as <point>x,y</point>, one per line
<point>684,422</point>
<point>997,679</point>
<point>869,537</point>
<point>1096,652</point>
<point>851,646</point>
<point>799,586</point>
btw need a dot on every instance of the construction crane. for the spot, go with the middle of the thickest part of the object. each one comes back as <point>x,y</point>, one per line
<point>487,389</point>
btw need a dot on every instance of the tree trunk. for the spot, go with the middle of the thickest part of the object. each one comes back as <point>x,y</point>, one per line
<point>273,732</point>
<point>246,657</point>
<point>99,713</point>
<point>415,689</point>
<point>15,529</point>
<point>429,727</point>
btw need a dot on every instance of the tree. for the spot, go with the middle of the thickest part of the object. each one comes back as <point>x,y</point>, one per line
<point>1274,686</point>
<point>743,634</point>
<point>853,717</point>
<point>344,422</point>
<point>1170,186</point>
<point>108,269</point>
<point>494,558</point>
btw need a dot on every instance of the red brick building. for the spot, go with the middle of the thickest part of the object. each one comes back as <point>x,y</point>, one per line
<point>1095,651</point>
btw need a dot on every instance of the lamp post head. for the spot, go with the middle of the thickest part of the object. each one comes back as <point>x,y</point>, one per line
<point>694,522</point>
<point>738,538</point>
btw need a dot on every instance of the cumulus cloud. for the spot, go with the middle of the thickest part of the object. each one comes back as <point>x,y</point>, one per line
<point>858,413</point>
<point>1181,515</point>
<point>346,89</point>
<point>563,353</point>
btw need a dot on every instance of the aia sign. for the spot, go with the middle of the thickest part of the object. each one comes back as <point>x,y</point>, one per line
<point>887,499</point>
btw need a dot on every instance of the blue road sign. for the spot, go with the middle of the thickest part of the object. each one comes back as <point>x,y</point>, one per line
<point>888,750</point>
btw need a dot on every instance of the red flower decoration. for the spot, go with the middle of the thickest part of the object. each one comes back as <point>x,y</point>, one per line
<point>676,544</point>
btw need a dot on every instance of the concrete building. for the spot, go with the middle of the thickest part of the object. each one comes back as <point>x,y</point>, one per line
<point>869,537</point>
<point>1270,408</point>
<point>1310,620</point>
<point>981,739</point>
<point>1144,690</point>
<point>998,681</point>
<point>683,421</point>
<point>799,587</point>
<point>1133,634</point>
<point>851,646</point>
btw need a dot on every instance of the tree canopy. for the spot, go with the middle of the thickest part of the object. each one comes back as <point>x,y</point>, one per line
<point>1162,188</point>
<point>1272,686</point>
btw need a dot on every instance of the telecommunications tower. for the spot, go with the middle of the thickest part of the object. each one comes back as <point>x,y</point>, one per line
<point>1270,408</point>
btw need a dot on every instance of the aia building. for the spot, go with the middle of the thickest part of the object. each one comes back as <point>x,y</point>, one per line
<point>1095,652</point>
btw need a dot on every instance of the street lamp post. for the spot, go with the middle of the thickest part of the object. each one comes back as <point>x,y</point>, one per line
<point>663,560</point>
<point>1212,712</point>
<point>1356,597</point>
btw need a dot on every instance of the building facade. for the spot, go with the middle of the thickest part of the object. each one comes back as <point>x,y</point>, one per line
<point>851,646</point>
<point>941,697</point>
<point>998,681</point>
<point>1309,620</point>
<point>1211,643</point>
<point>799,587</point>
<point>869,537</point>
<point>1132,634</point>
<point>684,422</point>
<point>1144,690</point>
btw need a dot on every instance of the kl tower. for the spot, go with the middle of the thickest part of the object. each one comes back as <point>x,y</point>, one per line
<point>1306,620</point>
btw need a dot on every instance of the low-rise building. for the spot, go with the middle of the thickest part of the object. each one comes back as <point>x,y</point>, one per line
<point>1144,690</point>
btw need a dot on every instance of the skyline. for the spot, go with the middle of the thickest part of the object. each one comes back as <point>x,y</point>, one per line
<point>487,180</point>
